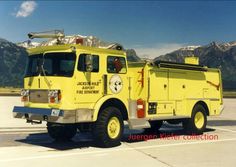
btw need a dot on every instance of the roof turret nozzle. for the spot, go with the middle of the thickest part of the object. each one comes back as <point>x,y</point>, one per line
<point>47,34</point>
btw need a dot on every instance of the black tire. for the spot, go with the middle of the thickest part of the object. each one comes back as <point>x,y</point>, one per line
<point>191,126</point>
<point>155,126</point>
<point>100,129</point>
<point>61,132</point>
<point>84,127</point>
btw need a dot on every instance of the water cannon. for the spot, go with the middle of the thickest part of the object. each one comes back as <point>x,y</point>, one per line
<point>58,34</point>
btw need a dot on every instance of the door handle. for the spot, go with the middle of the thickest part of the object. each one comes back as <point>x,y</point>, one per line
<point>165,86</point>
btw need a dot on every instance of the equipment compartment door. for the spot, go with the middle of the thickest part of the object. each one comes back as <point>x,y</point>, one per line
<point>177,90</point>
<point>158,92</point>
<point>177,85</point>
<point>158,85</point>
<point>117,76</point>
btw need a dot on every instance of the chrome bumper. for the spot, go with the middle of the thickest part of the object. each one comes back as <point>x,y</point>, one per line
<point>53,115</point>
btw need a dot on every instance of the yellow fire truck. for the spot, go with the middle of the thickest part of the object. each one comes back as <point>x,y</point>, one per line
<point>76,87</point>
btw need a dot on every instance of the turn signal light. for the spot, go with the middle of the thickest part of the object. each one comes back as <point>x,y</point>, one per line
<point>52,100</point>
<point>24,98</point>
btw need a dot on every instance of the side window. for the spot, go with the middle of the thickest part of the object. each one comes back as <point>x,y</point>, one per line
<point>116,65</point>
<point>82,64</point>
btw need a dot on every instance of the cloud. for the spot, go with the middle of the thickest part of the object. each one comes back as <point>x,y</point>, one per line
<point>157,50</point>
<point>26,8</point>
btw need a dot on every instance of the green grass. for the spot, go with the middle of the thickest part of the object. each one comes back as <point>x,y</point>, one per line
<point>229,94</point>
<point>10,91</point>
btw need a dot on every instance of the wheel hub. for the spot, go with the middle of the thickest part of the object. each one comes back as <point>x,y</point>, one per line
<point>113,127</point>
<point>199,120</point>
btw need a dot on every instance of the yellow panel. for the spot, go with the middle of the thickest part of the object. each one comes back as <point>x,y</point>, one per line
<point>177,85</point>
<point>158,85</point>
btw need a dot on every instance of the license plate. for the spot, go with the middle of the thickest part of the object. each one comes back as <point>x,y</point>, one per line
<point>55,112</point>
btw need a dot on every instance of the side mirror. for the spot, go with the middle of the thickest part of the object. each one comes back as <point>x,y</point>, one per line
<point>89,63</point>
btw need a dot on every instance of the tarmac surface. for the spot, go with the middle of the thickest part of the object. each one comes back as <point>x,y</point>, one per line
<point>24,145</point>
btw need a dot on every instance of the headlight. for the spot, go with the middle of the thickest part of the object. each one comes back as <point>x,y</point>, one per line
<point>24,92</point>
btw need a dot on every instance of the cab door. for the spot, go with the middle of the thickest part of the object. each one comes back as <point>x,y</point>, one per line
<point>88,81</point>
<point>117,81</point>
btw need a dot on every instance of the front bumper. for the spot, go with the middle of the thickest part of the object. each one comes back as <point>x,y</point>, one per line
<point>53,115</point>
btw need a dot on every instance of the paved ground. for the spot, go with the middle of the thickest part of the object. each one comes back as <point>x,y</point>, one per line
<point>25,145</point>
<point>6,120</point>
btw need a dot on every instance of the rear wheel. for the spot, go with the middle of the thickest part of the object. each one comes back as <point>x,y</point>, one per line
<point>61,132</point>
<point>197,123</point>
<point>109,127</point>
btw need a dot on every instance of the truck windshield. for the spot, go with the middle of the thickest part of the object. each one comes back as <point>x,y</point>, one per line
<point>51,64</point>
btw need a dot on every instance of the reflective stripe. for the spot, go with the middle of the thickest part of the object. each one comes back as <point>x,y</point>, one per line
<point>140,106</point>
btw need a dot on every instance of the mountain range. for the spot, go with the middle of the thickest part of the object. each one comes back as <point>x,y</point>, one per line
<point>13,59</point>
<point>12,64</point>
<point>216,55</point>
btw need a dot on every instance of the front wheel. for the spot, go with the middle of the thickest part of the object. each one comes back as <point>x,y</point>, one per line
<point>197,123</point>
<point>109,127</point>
<point>61,132</point>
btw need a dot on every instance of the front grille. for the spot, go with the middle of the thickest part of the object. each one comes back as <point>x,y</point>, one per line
<point>38,96</point>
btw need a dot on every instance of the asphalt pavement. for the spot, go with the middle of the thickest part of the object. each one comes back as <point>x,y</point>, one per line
<point>24,145</point>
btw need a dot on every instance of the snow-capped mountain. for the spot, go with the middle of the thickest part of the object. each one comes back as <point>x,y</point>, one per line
<point>28,44</point>
<point>218,55</point>
<point>12,65</point>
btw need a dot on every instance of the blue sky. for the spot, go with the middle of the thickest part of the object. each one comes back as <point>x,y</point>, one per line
<point>152,27</point>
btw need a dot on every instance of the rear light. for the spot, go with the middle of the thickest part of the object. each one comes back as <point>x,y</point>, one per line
<point>54,96</point>
<point>140,108</point>
<point>24,95</point>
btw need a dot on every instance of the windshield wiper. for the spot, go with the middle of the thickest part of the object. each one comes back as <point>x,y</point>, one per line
<point>44,74</point>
